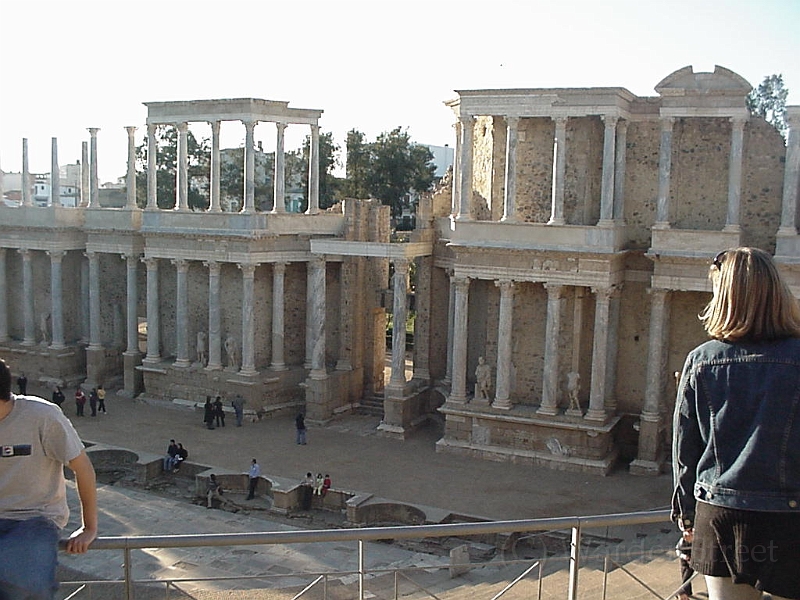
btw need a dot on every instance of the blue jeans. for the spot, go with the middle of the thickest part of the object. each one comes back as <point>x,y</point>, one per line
<point>301,436</point>
<point>28,559</point>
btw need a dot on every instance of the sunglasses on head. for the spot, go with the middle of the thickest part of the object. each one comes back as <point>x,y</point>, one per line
<point>718,259</point>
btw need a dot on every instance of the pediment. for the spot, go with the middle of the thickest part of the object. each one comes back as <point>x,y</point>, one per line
<point>722,82</point>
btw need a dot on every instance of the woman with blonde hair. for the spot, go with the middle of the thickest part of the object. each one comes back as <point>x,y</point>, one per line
<point>736,446</point>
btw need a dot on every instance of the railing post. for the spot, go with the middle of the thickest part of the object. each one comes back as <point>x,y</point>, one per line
<point>574,561</point>
<point>360,569</point>
<point>126,569</point>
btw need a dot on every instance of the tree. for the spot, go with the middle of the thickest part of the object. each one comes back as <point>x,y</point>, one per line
<point>199,157</point>
<point>768,100</point>
<point>391,168</point>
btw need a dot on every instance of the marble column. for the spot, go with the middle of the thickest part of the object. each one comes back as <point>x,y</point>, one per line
<point>85,179</point>
<point>181,313</point>
<point>29,338</point>
<point>130,179</point>
<point>214,317</point>
<point>279,204</point>
<point>559,172</point>
<point>182,177</point>
<point>55,174</point>
<point>153,315</point>
<point>455,185</point>
<point>317,305</point>
<point>56,300</point>
<point>214,176</point>
<point>249,167</point>
<point>248,319</point>
<point>4,337</point>
<point>609,166</point>
<point>735,175</point>
<point>310,316</point>
<point>278,321</point>
<point>552,350</point>
<point>152,181</point>
<point>397,380</point>
<point>510,197</point>
<point>458,389</point>
<point>94,182</point>
<point>84,301</point>
<point>313,172</point>
<point>465,182</point>
<point>791,174</point>
<point>26,176</point>
<point>448,378</point>
<point>505,334</point>
<point>132,304</point>
<point>600,355</point>
<point>649,454</point>
<point>94,301</point>
<point>664,173</point>
<point>620,161</point>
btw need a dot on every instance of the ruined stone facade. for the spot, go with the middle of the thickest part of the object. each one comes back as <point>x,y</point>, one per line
<point>569,249</point>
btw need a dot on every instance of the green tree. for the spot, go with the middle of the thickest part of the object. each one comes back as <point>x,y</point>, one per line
<point>199,156</point>
<point>391,168</point>
<point>768,100</point>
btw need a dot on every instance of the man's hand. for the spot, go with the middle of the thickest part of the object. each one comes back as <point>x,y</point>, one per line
<point>80,540</point>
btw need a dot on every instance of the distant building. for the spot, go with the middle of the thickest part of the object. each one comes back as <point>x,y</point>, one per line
<point>443,157</point>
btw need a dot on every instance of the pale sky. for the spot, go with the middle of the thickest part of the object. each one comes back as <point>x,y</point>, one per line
<point>67,65</point>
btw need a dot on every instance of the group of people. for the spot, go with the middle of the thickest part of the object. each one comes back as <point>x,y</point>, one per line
<point>313,486</point>
<point>214,412</point>
<point>175,455</point>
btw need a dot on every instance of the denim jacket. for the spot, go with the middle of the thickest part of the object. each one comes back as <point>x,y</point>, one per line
<point>736,429</point>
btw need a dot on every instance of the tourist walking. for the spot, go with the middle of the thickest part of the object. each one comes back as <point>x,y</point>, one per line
<point>736,446</point>
<point>300,426</point>
<point>219,412</point>
<point>253,475</point>
<point>58,396</point>
<point>208,413</point>
<point>101,399</point>
<point>238,408</point>
<point>80,401</point>
<point>38,441</point>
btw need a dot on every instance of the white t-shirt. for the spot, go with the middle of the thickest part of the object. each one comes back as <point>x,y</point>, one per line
<point>36,441</point>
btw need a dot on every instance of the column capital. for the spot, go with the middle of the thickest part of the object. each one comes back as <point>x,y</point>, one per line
<point>607,292</point>
<point>512,121</point>
<point>667,123</point>
<point>151,263</point>
<point>401,264</point>
<point>25,253</point>
<point>248,269</point>
<point>739,121</point>
<point>504,284</point>
<point>610,120</point>
<point>461,282</point>
<point>55,255</point>
<point>555,290</point>
<point>93,131</point>
<point>215,125</point>
<point>181,264</point>
<point>130,256</point>
<point>279,267</point>
<point>467,120</point>
<point>560,121</point>
<point>182,127</point>
<point>281,126</point>
<point>131,129</point>
<point>213,266</point>
<point>91,254</point>
<point>622,125</point>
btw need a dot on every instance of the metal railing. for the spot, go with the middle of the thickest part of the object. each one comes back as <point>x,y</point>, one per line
<point>576,525</point>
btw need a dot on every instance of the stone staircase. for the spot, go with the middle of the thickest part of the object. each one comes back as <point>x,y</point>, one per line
<point>371,405</point>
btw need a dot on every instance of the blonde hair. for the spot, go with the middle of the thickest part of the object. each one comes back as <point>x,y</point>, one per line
<point>751,300</point>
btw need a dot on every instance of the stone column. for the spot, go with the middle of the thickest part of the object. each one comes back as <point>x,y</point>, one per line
<point>559,172</point>
<point>214,176</point>
<point>153,315</point>
<point>214,317</point>
<point>56,300</point>
<point>316,303</point>
<point>4,337</point>
<point>248,319</point>
<point>182,179</point>
<point>619,170</point>
<point>465,182</point>
<point>510,198</point>
<point>55,175</point>
<point>609,166</point>
<point>600,355</point>
<point>132,304</point>
<point>397,380</point>
<point>278,325</point>
<point>152,182</point>
<point>94,183</point>
<point>181,313</point>
<point>85,181</point>
<point>313,172</point>
<point>130,179</point>
<point>249,167</point>
<point>94,301</point>
<point>29,338</point>
<point>649,457</point>
<point>309,315</point>
<point>664,173</point>
<point>279,204</point>
<point>791,174</point>
<point>735,175</point>
<point>422,324</point>
<point>84,301</point>
<point>505,334</point>
<point>458,390</point>
<point>26,176</point>
<point>450,326</point>
<point>455,201</point>
<point>552,355</point>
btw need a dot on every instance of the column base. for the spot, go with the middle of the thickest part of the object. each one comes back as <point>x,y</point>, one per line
<point>248,372</point>
<point>549,411</point>
<point>594,414</point>
<point>279,367</point>
<point>151,360</point>
<point>502,404</point>
<point>558,221</point>
<point>182,363</point>
<point>216,367</point>
<point>318,374</point>
<point>732,228</point>
<point>574,412</point>
<point>649,468</point>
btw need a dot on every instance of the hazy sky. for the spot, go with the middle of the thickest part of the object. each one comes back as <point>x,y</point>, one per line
<point>373,66</point>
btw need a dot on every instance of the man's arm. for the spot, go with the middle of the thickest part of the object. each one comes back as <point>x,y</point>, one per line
<point>80,540</point>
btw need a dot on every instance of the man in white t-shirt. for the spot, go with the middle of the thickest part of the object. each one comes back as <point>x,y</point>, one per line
<point>36,441</point>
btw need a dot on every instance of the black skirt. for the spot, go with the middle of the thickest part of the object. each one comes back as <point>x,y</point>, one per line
<point>754,547</point>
